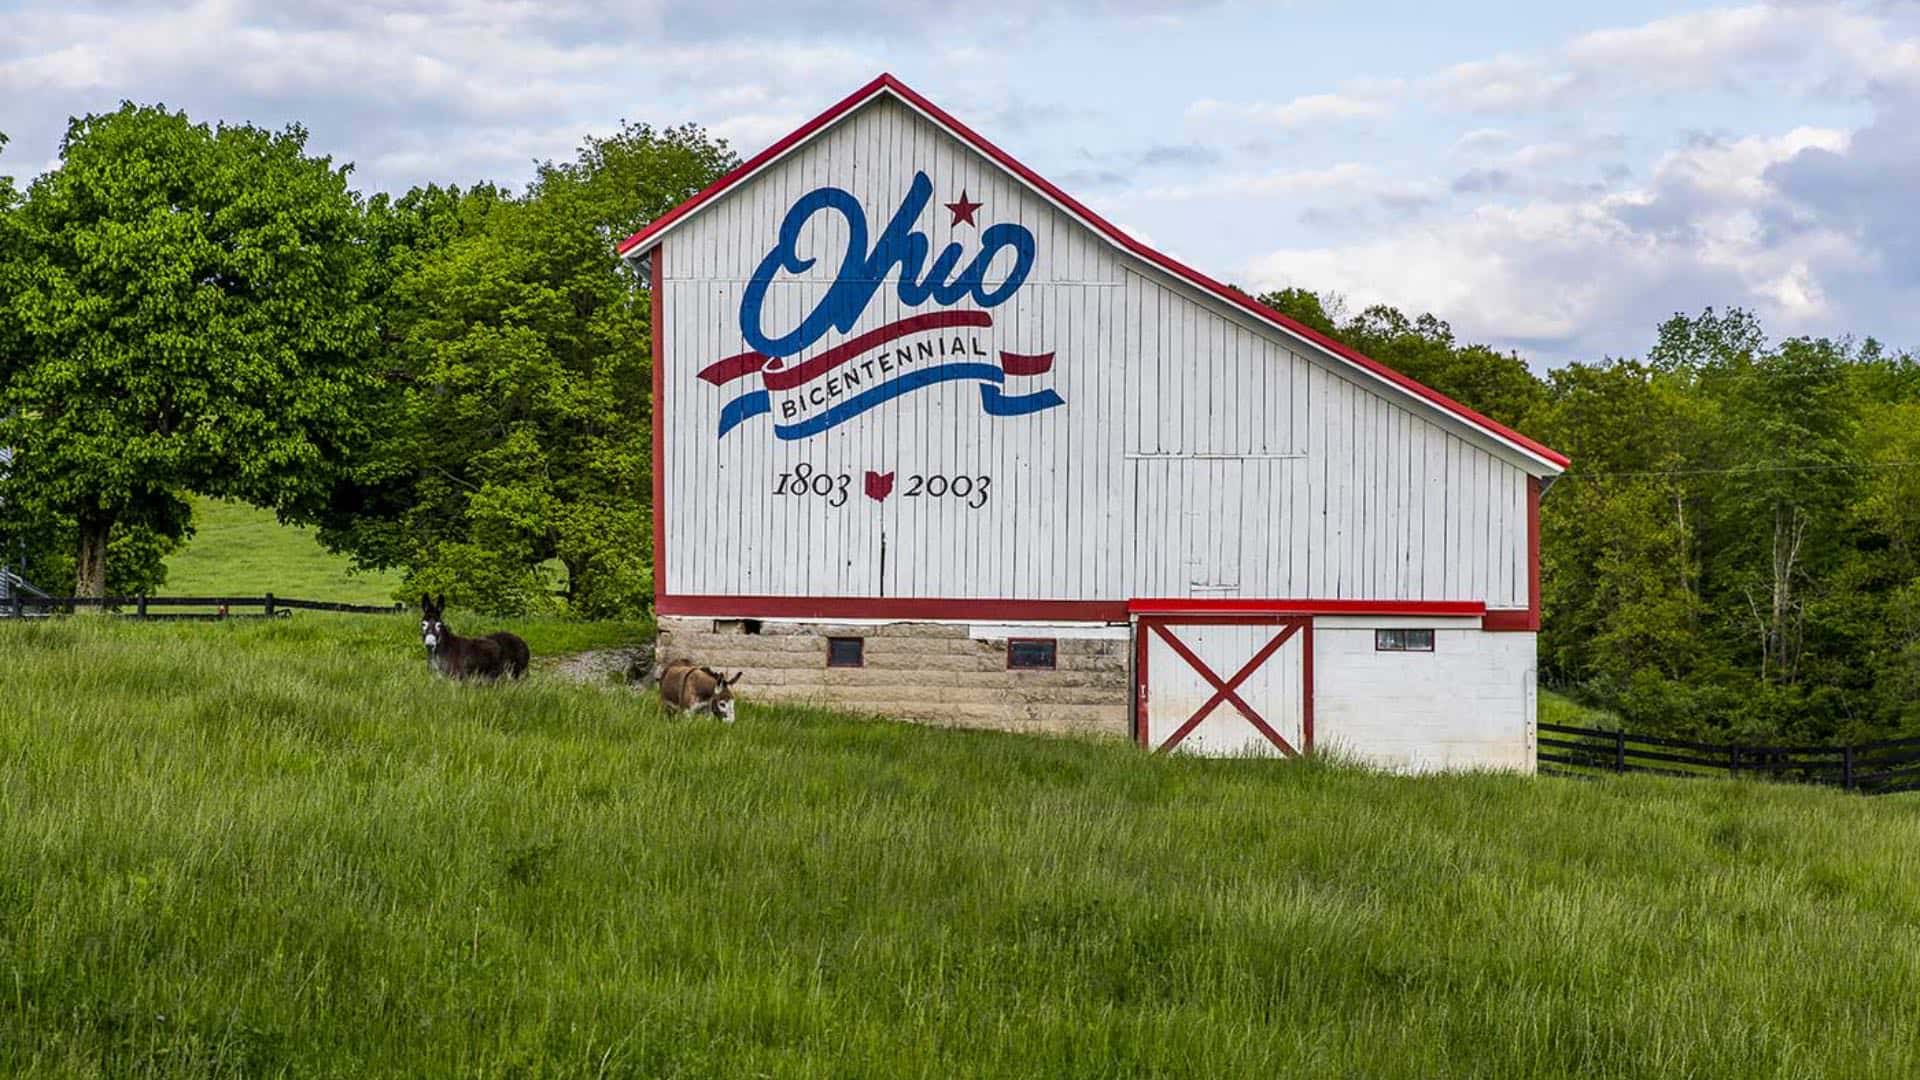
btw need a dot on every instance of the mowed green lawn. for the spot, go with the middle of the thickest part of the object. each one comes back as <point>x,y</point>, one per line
<point>283,849</point>
<point>241,550</point>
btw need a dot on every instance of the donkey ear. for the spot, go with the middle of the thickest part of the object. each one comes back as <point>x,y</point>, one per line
<point>440,602</point>
<point>426,602</point>
<point>735,679</point>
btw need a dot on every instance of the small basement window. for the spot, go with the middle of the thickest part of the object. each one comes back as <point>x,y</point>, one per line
<point>846,652</point>
<point>1403,641</point>
<point>1032,654</point>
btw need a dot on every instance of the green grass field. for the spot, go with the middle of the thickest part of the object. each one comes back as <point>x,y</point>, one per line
<point>241,550</point>
<point>284,849</point>
<point>1560,709</point>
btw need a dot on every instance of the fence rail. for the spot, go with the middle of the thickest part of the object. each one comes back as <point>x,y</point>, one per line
<point>1875,768</point>
<point>222,607</point>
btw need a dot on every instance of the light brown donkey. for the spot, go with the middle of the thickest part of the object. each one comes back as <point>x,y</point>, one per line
<point>688,687</point>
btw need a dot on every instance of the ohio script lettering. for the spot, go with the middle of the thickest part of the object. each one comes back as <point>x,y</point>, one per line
<point>808,392</point>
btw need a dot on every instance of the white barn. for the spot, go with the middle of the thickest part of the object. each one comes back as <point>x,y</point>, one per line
<point>934,440</point>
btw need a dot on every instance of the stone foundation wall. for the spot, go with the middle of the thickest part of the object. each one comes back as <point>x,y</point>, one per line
<point>930,672</point>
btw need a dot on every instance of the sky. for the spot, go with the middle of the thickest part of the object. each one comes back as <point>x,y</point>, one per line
<point>1550,178</point>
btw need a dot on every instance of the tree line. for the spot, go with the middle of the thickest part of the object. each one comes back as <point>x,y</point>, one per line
<point>455,382</point>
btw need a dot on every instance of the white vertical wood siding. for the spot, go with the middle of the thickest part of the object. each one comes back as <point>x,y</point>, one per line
<point>1198,452</point>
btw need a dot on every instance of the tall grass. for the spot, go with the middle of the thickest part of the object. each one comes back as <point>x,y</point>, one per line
<point>284,849</point>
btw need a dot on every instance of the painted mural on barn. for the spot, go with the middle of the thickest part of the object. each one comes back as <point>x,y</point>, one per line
<point>947,338</point>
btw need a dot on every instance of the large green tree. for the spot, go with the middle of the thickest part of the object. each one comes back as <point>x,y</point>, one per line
<point>1885,638</point>
<point>186,304</point>
<point>518,409</point>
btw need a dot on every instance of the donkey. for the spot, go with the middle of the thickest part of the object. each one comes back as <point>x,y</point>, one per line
<point>687,687</point>
<point>459,657</point>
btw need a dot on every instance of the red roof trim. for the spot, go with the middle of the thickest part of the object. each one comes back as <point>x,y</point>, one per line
<point>889,84</point>
<point>891,607</point>
<point>1190,606</point>
<point>984,610</point>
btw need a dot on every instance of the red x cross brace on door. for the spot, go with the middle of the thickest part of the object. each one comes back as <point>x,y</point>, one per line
<point>1227,690</point>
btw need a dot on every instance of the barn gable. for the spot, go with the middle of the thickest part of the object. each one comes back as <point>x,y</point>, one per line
<point>1053,415</point>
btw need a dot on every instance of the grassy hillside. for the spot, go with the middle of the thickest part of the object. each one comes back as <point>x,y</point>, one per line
<point>283,848</point>
<point>1560,709</point>
<point>240,550</point>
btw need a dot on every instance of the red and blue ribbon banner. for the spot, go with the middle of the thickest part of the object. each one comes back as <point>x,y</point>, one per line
<point>862,373</point>
<point>807,397</point>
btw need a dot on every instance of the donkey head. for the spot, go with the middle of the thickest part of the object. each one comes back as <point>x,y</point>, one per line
<point>433,630</point>
<point>720,702</point>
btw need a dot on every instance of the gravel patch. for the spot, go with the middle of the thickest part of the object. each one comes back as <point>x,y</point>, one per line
<point>632,665</point>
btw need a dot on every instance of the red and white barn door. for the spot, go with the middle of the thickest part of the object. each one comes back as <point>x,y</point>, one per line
<point>1224,685</point>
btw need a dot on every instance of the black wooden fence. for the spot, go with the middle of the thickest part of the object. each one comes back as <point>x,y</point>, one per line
<point>1875,768</point>
<point>211,607</point>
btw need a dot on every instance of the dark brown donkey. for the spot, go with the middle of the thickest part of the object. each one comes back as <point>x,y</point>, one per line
<point>457,657</point>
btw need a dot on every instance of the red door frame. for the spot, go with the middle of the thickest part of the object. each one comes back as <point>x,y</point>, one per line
<point>1224,689</point>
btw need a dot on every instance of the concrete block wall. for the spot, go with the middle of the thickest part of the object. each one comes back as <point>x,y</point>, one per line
<point>1468,704</point>
<point>930,672</point>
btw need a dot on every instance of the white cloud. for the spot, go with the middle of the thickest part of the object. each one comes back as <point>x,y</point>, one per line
<point>1731,173</point>
<point>1704,48</point>
<point>1483,140</point>
<point>1505,83</point>
<point>1310,111</point>
<point>458,62</point>
<point>1554,152</point>
<point>440,90</point>
<point>723,19</point>
<point>1823,49</point>
<point>1569,241</point>
<point>1564,278</point>
<point>748,133</point>
<point>1344,177</point>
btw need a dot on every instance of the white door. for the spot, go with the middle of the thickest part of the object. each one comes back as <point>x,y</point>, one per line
<point>1224,685</point>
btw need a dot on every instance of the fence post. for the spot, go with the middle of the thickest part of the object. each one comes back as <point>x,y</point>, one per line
<point>19,604</point>
<point>1733,762</point>
<point>140,606</point>
<point>1846,767</point>
<point>269,605</point>
<point>1619,751</point>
